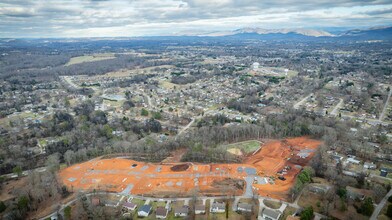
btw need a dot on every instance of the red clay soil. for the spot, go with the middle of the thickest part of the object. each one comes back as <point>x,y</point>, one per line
<point>274,156</point>
<point>117,174</point>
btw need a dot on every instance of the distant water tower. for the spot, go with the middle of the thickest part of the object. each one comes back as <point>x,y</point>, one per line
<point>286,71</point>
<point>255,66</point>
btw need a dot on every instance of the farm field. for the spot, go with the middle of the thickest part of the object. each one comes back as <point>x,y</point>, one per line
<point>184,179</point>
<point>89,58</point>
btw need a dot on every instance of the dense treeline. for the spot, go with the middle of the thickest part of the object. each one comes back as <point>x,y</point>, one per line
<point>19,61</point>
<point>87,68</point>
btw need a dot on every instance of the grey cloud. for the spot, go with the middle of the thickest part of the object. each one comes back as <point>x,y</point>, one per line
<point>61,16</point>
<point>380,12</point>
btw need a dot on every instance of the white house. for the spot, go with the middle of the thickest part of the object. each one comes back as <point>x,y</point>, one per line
<point>370,166</point>
<point>244,207</point>
<point>353,161</point>
<point>218,207</point>
<point>255,66</point>
<point>200,209</point>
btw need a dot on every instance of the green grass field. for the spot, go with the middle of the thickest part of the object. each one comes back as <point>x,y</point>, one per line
<point>245,146</point>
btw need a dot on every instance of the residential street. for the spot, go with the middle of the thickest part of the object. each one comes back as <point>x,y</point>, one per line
<point>337,107</point>
<point>381,205</point>
<point>298,104</point>
<point>385,107</point>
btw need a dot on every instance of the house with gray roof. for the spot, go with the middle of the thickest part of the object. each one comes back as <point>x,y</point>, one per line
<point>144,211</point>
<point>355,193</point>
<point>200,209</point>
<point>161,213</point>
<point>370,166</point>
<point>129,206</point>
<point>244,207</point>
<point>270,214</point>
<point>181,211</point>
<point>218,207</point>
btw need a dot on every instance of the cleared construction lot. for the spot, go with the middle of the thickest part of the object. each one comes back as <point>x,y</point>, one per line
<point>258,174</point>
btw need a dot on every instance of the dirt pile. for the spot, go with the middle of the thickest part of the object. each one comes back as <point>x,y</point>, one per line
<point>179,167</point>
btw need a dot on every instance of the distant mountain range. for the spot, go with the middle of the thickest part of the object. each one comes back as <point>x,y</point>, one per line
<point>262,31</point>
<point>301,34</point>
<point>379,33</point>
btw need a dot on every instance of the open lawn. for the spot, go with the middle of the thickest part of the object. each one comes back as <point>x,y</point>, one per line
<point>311,199</point>
<point>235,151</point>
<point>168,85</point>
<point>272,204</point>
<point>90,58</point>
<point>139,202</point>
<point>5,122</point>
<point>274,71</point>
<point>288,211</point>
<point>246,146</point>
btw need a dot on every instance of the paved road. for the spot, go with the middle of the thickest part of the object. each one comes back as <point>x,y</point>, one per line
<point>190,123</point>
<point>249,189</point>
<point>380,205</point>
<point>337,107</point>
<point>298,104</point>
<point>385,106</point>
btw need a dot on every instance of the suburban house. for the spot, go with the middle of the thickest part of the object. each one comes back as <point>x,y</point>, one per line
<point>130,206</point>
<point>384,171</point>
<point>144,211</point>
<point>244,207</point>
<point>111,203</point>
<point>218,207</point>
<point>355,193</point>
<point>200,209</point>
<point>370,166</point>
<point>353,161</point>
<point>161,212</point>
<point>318,188</point>
<point>337,157</point>
<point>270,214</point>
<point>181,211</point>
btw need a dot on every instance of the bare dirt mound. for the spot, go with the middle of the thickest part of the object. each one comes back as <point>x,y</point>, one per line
<point>179,167</point>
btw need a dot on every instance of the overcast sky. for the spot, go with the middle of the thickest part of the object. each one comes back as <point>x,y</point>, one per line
<point>105,18</point>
